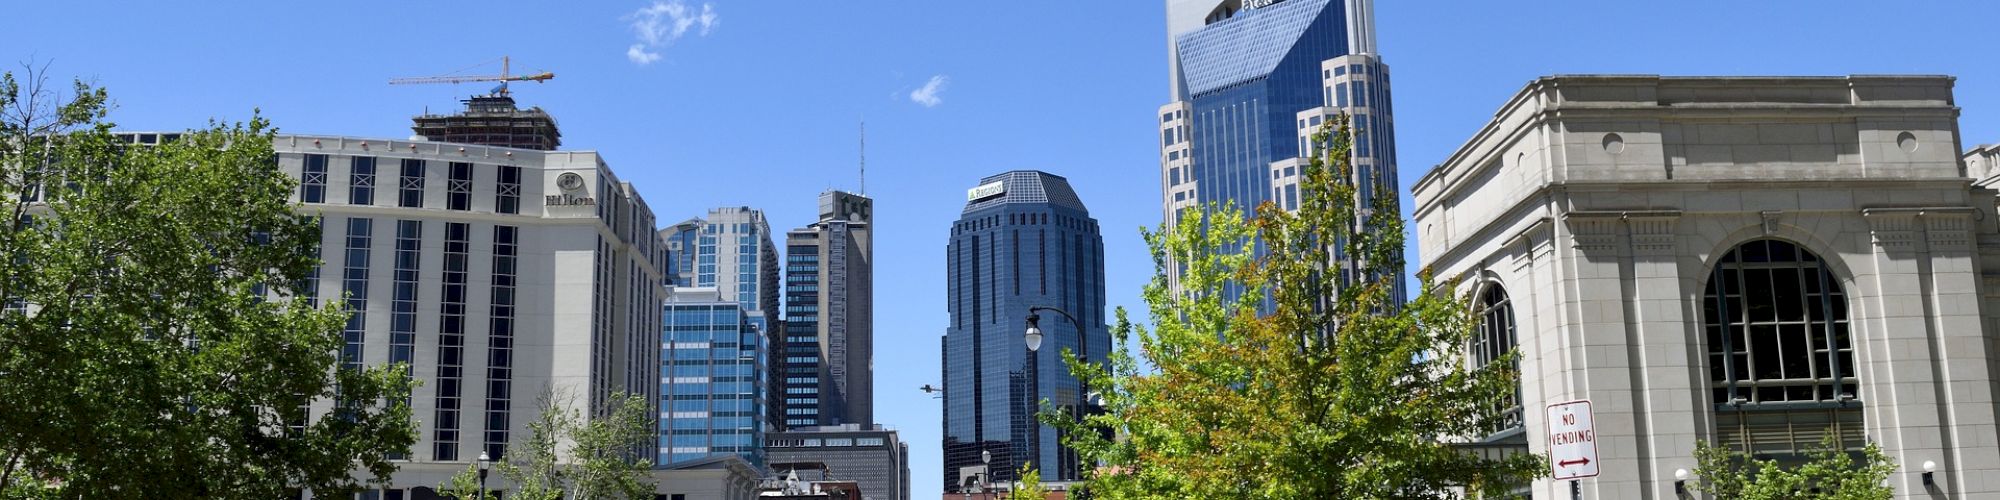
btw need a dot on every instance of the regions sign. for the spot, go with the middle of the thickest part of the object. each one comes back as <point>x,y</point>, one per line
<point>986,190</point>
<point>1572,441</point>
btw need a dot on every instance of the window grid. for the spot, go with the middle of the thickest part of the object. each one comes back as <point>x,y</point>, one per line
<point>500,339</point>
<point>1496,338</point>
<point>1777,348</point>
<point>507,197</point>
<point>354,282</point>
<point>458,190</point>
<point>411,187</point>
<point>403,302</point>
<point>1780,357</point>
<point>451,341</point>
<point>312,181</point>
<point>361,181</point>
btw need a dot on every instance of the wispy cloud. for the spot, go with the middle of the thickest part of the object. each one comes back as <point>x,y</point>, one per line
<point>657,27</point>
<point>931,94</point>
<point>638,54</point>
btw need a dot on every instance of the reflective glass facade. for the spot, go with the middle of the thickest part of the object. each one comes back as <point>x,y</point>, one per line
<point>682,240</point>
<point>712,382</point>
<point>1032,243</point>
<point>800,364</point>
<point>1252,86</point>
<point>1247,78</point>
<point>732,252</point>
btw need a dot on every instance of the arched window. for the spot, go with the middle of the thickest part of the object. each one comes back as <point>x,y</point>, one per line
<point>1494,340</point>
<point>1780,358</point>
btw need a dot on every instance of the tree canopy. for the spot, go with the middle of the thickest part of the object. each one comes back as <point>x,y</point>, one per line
<point>1282,366</point>
<point>155,338</point>
<point>569,456</point>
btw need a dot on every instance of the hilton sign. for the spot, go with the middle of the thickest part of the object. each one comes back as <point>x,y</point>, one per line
<point>563,200</point>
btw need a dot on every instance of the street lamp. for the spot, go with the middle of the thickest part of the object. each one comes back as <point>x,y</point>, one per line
<point>986,472</point>
<point>1034,338</point>
<point>485,462</point>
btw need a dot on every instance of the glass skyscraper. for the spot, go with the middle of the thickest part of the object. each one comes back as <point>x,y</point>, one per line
<point>1024,240</point>
<point>1252,80</point>
<point>730,253</point>
<point>682,239</point>
<point>712,379</point>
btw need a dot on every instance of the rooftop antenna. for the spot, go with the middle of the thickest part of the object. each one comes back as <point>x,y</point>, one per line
<point>864,157</point>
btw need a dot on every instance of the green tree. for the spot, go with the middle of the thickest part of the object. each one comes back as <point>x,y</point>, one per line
<point>1332,392</point>
<point>569,456</point>
<point>1829,473</point>
<point>153,338</point>
<point>464,485</point>
<point>1030,485</point>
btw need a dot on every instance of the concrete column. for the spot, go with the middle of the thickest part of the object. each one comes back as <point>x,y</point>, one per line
<point>1960,357</point>
<point>1660,333</point>
<point>1924,356</point>
<point>1600,352</point>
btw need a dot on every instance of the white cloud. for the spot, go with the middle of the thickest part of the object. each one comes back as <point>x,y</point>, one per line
<point>708,18</point>
<point>638,54</point>
<point>657,27</point>
<point>930,94</point>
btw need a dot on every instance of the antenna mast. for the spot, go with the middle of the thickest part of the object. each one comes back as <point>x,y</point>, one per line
<point>864,157</point>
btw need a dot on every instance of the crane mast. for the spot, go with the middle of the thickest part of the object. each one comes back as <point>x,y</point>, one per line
<point>506,75</point>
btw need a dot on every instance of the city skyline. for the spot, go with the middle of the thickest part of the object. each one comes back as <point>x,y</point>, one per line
<point>1111,72</point>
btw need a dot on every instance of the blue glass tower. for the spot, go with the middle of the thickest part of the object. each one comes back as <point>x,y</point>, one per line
<point>1024,240</point>
<point>1244,77</point>
<point>712,379</point>
<point>1252,80</point>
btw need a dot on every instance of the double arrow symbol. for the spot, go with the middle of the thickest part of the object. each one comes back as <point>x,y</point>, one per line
<point>1567,463</point>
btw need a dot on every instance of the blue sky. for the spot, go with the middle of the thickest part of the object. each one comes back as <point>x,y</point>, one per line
<point>759,106</point>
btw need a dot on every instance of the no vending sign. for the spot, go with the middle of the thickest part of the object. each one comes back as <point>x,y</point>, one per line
<point>1572,441</point>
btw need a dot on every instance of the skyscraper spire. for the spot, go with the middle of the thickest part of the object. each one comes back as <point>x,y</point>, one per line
<point>1361,27</point>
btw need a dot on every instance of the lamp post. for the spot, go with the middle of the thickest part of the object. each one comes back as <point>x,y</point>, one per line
<point>1034,338</point>
<point>485,462</point>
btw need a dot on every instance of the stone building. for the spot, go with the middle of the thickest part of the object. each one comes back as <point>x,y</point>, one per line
<point>872,457</point>
<point>1751,262</point>
<point>495,273</point>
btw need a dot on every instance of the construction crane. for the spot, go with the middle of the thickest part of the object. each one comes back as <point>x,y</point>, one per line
<point>504,77</point>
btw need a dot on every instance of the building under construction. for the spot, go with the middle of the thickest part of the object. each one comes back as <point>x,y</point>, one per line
<point>492,120</point>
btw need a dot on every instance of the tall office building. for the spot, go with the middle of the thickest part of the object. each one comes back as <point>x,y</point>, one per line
<point>495,273</point>
<point>1025,240</point>
<point>682,239</point>
<point>828,365</point>
<point>733,253</point>
<point>1252,80</point>
<point>712,386</point>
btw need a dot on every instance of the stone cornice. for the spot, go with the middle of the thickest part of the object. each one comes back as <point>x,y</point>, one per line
<point>1896,230</point>
<point>1600,230</point>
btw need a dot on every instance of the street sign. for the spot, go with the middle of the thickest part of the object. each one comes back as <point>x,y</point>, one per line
<point>1572,441</point>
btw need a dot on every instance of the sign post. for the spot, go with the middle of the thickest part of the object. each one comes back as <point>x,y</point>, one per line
<point>1572,443</point>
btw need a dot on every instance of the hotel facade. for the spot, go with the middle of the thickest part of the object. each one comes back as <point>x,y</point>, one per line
<point>497,274</point>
